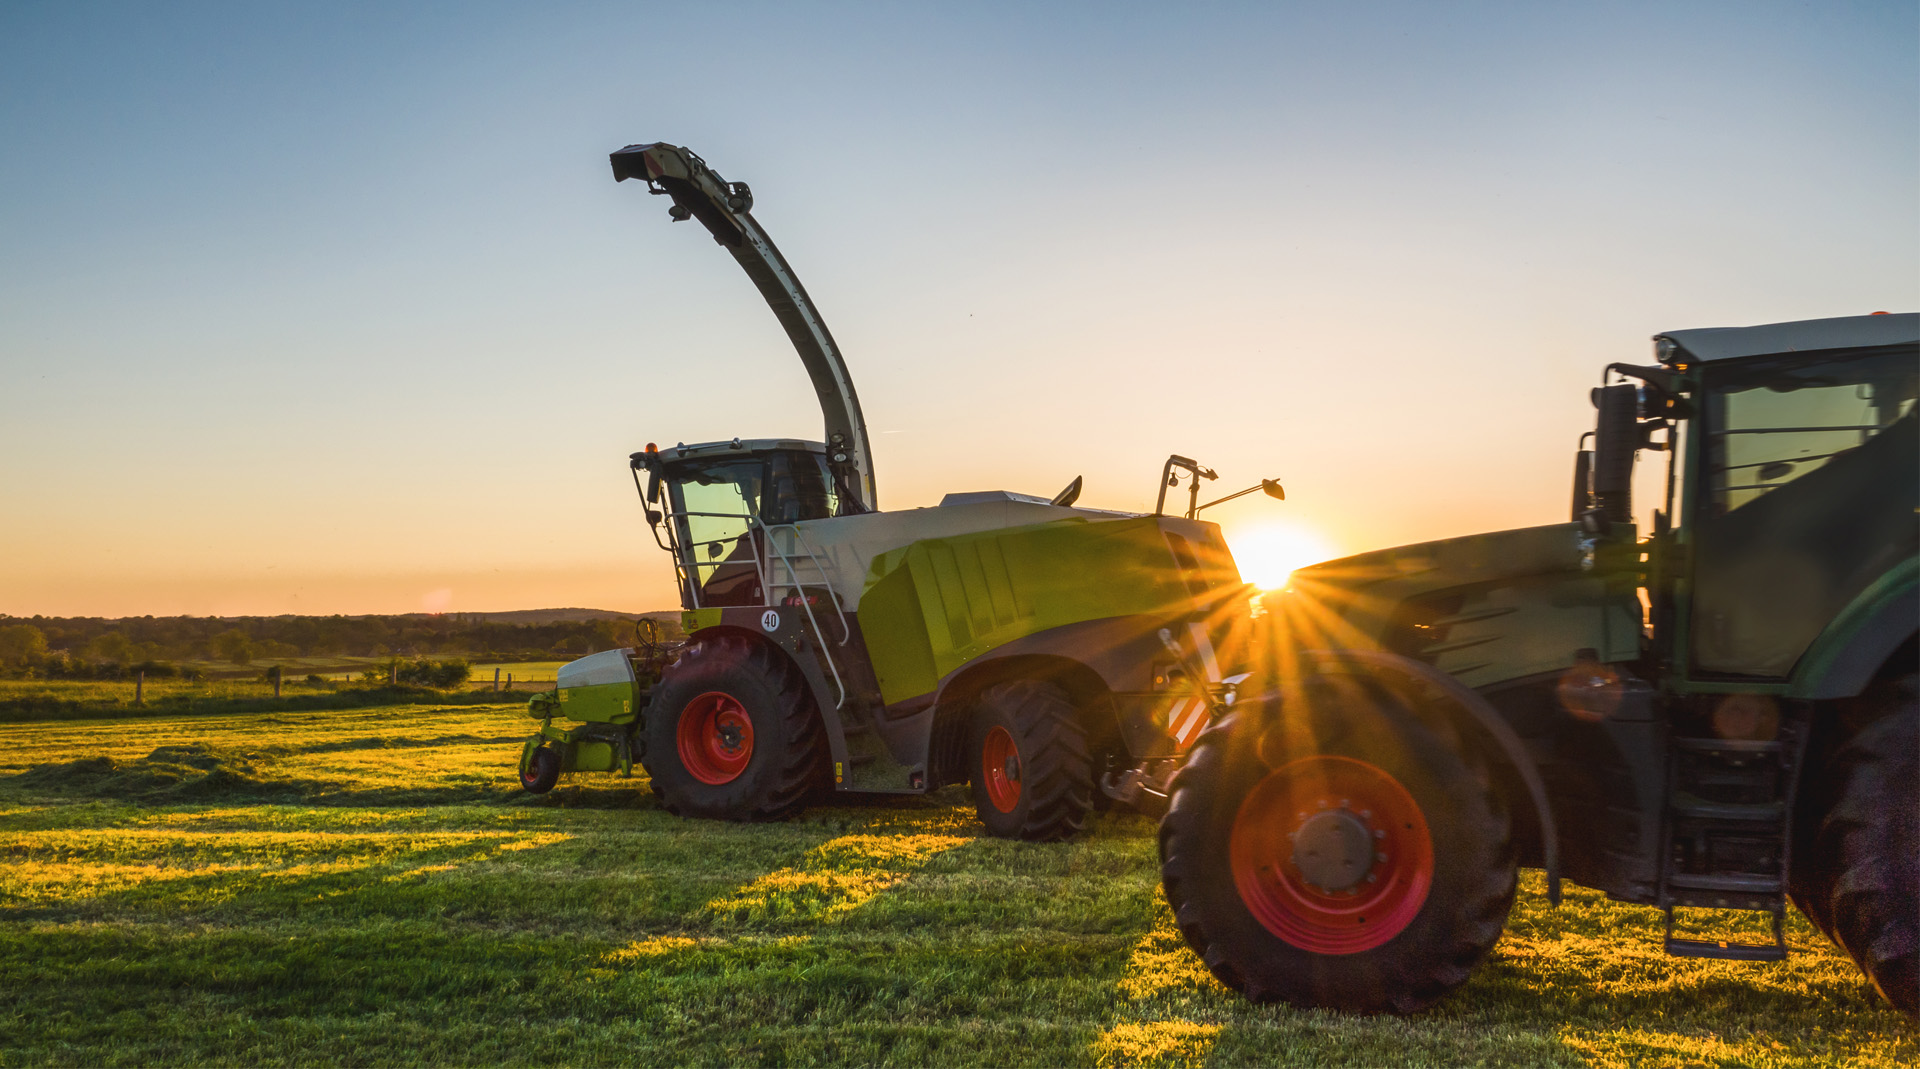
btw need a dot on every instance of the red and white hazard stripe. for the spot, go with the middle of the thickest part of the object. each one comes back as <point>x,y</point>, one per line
<point>1189,716</point>
<point>1187,720</point>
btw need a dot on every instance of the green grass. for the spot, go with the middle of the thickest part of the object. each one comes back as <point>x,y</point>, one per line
<point>370,886</point>
<point>522,672</point>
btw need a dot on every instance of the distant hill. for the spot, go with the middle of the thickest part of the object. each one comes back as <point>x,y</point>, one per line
<point>545,616</point>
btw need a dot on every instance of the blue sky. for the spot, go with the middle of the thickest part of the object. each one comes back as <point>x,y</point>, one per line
<point>323,308</point>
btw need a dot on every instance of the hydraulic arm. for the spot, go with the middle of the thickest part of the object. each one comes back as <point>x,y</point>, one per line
<point>725,208</point>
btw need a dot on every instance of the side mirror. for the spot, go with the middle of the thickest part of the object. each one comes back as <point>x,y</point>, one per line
<point>653,517</point>
<point>1582,482</point>
<point>1615,440</point>
<point>1274,489</point>
<point>1067,497</point>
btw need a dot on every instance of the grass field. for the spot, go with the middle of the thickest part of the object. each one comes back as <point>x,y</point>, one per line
<point>370,886</point>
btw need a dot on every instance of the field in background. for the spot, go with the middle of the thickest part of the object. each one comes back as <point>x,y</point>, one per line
<point>522,671</point>
<point>369,885</point>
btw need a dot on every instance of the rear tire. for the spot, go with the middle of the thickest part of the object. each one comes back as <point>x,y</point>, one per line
<point>1032,775</point>
<point>1869,847</point>
<point>732,733</point>
<point>1340,856</point>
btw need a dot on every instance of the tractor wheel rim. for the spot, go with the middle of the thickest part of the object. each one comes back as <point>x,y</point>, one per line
<point>1299,824</point>
<point>715,738</point>
<point>1000,769</point>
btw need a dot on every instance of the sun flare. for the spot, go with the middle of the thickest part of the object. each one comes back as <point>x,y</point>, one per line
<point>1269,552</point>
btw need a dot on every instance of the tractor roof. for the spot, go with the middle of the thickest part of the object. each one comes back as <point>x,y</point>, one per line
<point>736,447</point>
<point>1806,335</point>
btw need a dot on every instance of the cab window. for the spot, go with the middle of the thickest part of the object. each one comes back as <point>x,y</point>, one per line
<point>1809,480</point>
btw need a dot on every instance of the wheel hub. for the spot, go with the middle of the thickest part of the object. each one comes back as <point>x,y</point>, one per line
<point>1333,849</point>
<point>1000,769</point>
<point>714,738</point>
<point>1331,854</point>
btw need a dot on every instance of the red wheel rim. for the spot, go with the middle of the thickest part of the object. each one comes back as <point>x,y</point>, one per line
<point>1332,855</point>
<point>1000,769</point>
<point>715,738</point>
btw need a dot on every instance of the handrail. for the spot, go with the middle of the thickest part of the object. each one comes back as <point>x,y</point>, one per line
<point>800,592</point>
<point>762,567</point>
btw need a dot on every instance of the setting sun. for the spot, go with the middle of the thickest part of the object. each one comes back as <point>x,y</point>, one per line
<point>1269,552</point>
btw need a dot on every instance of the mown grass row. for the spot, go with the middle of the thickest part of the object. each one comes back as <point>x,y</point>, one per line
<point>370,886</point>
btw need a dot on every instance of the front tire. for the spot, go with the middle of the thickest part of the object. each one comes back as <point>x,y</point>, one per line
<point>542,770</point>
<point>1032,773</point>
<point>1338,856</point>
<point>732,733</point>
<point>1869,848</point>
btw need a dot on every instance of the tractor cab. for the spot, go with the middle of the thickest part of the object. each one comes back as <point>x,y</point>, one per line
<point>716,501</point>
<point>1792,468</point>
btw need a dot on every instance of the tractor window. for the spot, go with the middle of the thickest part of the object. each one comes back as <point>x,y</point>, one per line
<point>1771,429</point>
<point>713,507</point>
<point>802,489</point>
<point>1807,495</point>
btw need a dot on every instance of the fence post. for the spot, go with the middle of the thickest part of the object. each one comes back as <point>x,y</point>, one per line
<point>139,688</point>
<point>274,674</point>
<point>496,679</point>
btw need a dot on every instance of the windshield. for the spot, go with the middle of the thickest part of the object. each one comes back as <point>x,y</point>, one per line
<point>717,504</point>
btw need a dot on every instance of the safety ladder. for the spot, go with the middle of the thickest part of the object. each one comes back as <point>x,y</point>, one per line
<point>772,545</point>
<point>1728,836</point>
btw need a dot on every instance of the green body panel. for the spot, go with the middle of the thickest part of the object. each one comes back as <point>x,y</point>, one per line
<point>692,620</point>
<point>1485,608</point>
<point>936,604</point>
<point>587,757</point>
<point>1900,584</point>
<point>577,754</point>
<point>610,703</point>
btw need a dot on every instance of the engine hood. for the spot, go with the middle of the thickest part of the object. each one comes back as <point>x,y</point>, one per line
<point>1351,601</point>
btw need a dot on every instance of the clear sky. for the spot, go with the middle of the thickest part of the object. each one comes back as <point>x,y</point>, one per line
<point>336,308</point>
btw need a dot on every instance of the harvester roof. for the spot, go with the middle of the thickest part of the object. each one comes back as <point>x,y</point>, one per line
<point>1806,335</point>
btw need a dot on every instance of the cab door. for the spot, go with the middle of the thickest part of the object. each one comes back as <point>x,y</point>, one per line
<point>1807,481</point>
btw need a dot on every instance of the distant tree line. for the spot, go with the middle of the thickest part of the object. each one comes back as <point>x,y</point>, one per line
<point>91,647</point>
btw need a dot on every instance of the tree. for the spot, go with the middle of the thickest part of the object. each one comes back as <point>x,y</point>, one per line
<point>234,645</point>
<point>112,647</point>
<point>22,644</point>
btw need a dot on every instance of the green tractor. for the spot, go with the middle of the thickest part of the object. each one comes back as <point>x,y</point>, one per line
<point>1721,714</point>
<point>1036,650</point>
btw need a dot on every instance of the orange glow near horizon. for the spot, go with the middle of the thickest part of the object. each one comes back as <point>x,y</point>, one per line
<point>1268,551</point>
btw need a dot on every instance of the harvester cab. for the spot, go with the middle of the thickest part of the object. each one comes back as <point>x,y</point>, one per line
<point>1714,709</point>
<point>1048,655</point>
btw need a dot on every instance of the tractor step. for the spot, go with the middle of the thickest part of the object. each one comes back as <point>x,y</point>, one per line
<point>1702,948</point>
<point>1731,951</point>
<point>1727,746</point>
<point>1758,885</point>
<point>1687,805</point>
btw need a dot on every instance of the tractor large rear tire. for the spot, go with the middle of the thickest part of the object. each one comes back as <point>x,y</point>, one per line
<point>1869,845</point>
<point>1341,856</point>
<point>732,733</point>
<point>1031,770</point>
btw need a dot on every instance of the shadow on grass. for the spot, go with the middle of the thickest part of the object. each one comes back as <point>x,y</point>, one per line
<point>47,707</point>
<point>199,774</point>
<point>379,742</point>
